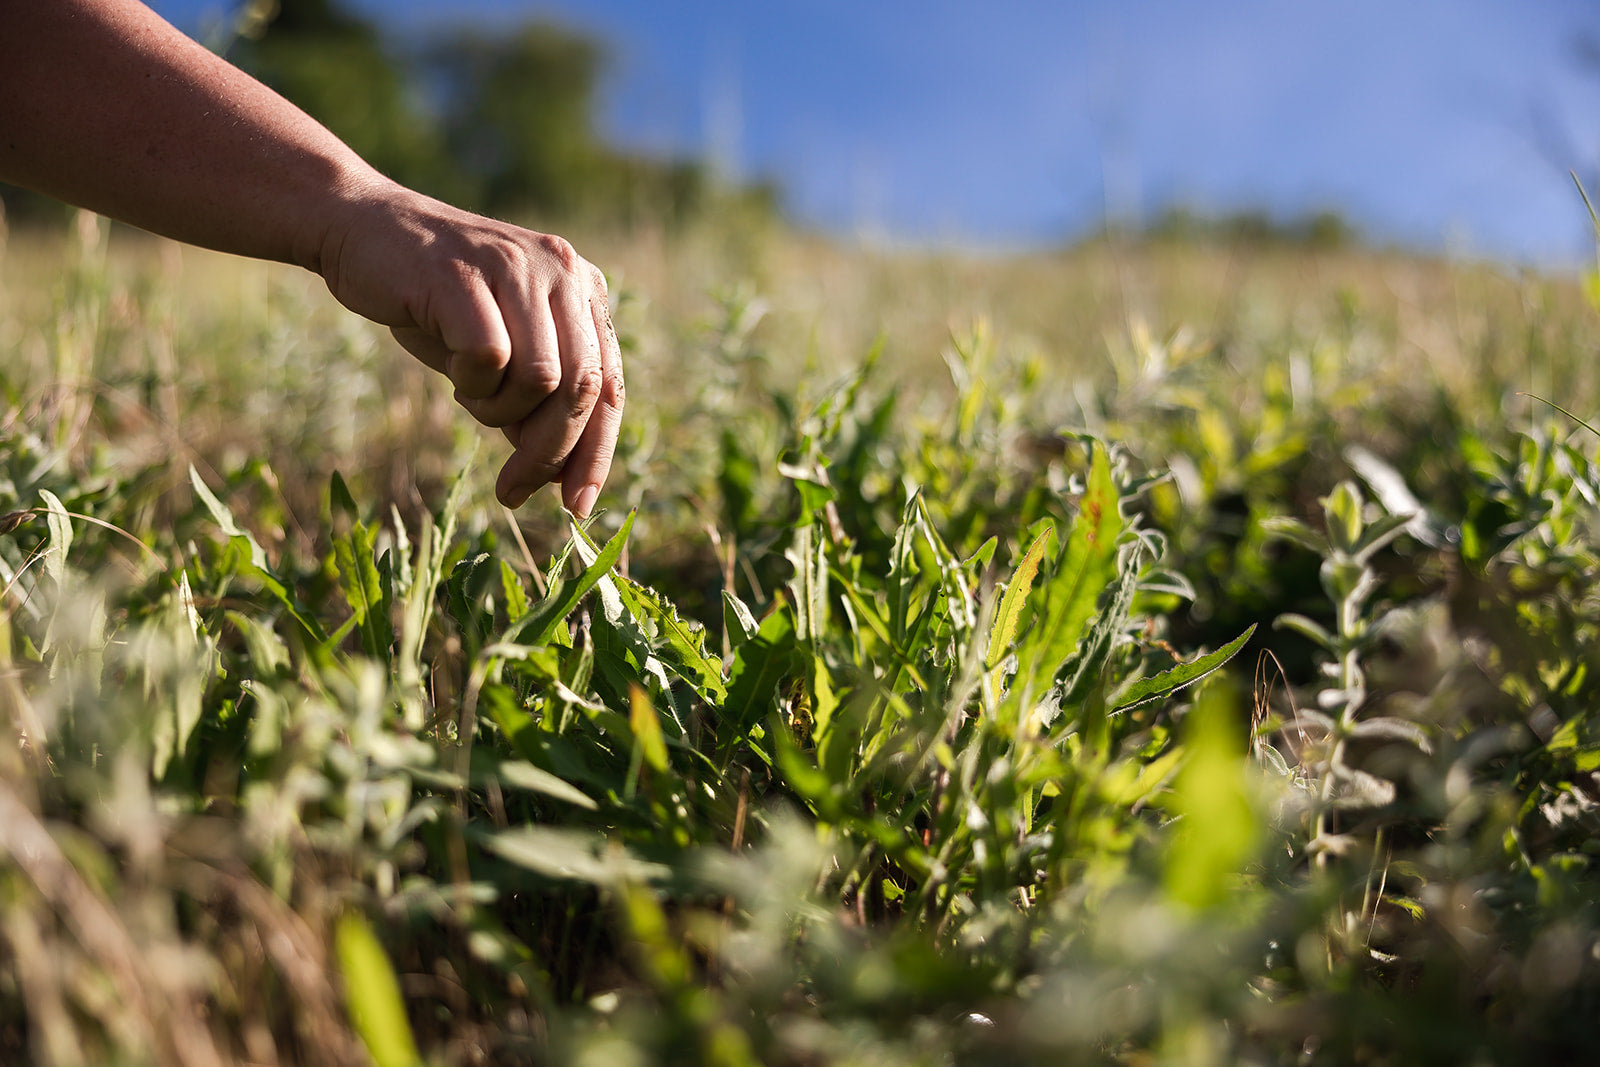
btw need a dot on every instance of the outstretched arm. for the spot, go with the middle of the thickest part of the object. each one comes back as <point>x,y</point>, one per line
<point>105,105</point>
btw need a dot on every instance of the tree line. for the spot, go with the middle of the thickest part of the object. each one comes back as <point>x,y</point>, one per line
<point>502,124</point>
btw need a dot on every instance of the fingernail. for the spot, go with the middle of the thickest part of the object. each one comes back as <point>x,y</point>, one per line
<point>586,499</point>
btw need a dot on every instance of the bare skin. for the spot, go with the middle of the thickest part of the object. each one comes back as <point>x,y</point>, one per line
<point>105,105</point>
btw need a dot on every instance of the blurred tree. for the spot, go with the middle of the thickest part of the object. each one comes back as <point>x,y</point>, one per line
<point>518,116</point>
<point>338,68</point>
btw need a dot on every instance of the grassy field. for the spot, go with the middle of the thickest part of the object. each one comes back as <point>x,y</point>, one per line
<point>1141,653</point>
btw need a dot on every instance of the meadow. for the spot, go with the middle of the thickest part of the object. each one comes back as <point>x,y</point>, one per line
<point>1146,652</point>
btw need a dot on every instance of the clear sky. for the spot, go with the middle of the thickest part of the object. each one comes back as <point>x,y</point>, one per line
<point>1448,124</point>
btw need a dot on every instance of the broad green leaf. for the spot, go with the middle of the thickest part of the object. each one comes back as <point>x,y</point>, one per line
<point>365,589</point>
<point>758,666</point>
<point>1083,671</point>
<point>372,995</point>
<point>1170,681</point>
<point>340,502</point>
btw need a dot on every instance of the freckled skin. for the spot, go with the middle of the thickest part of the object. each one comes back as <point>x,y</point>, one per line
<point>110,108</point>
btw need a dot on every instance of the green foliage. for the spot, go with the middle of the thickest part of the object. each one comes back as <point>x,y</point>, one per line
<point>928,763</point>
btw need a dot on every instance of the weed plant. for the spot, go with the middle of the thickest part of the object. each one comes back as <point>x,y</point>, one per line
<point>1216,713</point>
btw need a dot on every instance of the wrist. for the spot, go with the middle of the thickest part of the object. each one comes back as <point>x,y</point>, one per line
<point>322,231</point>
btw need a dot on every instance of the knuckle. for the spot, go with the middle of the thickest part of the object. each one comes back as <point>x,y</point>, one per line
<point>560,250</point>
<point>613,391</point>
<point>585,384</point>
<point>543,379</point>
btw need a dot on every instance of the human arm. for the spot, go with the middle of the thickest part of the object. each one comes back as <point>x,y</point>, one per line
<point>105,105</point>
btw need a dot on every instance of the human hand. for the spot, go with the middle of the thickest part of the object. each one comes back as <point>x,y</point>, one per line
<point>517,321</point>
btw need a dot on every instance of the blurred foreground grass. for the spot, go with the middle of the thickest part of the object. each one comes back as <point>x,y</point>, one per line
<point>1139,653</point>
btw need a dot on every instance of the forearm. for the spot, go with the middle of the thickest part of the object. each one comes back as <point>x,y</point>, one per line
<point>105,105</point>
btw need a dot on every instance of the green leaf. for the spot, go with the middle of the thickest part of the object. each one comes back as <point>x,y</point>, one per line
<point>758,666</point>
<point>1087,568</point>
<point>809,586</point>
<point>1079,674</point>
<point>520,774</point>
<point>364,587</point>
<point>1009,615</point>
<point>646,727</point>
<point>536,627</point>
<point>678,643</point>
<point>59,524</point>
<point>1342,513</point>
<point>1218,830</point>
<point>258,559</point>
<point>1169,681</point>
<point>225,520</point>
<point>738,622</point>
<point>512,592</point>
<point>372,995</point>
<point>1306,628</point>
<point>340,502</point>
<point>570,855</point>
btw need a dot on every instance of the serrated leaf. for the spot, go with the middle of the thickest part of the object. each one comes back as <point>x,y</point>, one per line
<point>1075,678</point>
<point>1170,681</point>
<point>365,589</point>
<point>1009,614</point>
<point>1087,568</point>
<point>536,627</point>
<point>679,644</point>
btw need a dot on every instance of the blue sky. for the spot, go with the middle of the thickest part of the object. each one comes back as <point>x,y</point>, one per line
<point>1445,124</point>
